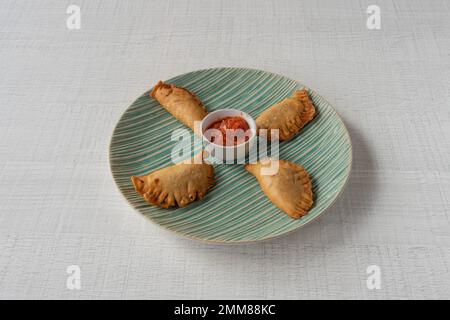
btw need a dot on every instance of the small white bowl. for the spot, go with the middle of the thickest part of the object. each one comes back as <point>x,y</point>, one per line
<point>228,154</point>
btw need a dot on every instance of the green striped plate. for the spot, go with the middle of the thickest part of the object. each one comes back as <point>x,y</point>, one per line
<point>235,210</point>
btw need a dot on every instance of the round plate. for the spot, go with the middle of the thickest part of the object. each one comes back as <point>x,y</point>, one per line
<point>235,210</point>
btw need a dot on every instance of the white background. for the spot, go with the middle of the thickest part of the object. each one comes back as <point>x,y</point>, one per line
<point>62,92</point>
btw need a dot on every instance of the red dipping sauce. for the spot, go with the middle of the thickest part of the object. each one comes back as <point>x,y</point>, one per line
<point>229,131</point>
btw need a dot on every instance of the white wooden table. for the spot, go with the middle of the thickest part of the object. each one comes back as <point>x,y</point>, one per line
<point>62,91</point>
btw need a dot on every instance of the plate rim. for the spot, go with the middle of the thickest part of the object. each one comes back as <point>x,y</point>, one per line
<point>239,242</point>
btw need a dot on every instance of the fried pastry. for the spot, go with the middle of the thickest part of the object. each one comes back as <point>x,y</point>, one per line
<point>180,102</point>
<point>288,116</point>
<point>177,185</point>
<point>289,188</point>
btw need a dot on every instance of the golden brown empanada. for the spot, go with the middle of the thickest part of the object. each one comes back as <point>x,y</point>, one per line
<point>177,185</point>
<point>180,102</point>
<point>290,188</point>
<point>288,116</point>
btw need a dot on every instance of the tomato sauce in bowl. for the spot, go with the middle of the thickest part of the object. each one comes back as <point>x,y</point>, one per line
<point>229,131</point>
<point>228,135</point>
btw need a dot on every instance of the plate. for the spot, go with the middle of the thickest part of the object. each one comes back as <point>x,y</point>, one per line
<point>235,210</point>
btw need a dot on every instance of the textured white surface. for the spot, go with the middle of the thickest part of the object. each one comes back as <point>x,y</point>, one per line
<point>62,91</point>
